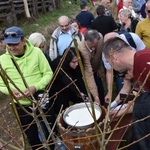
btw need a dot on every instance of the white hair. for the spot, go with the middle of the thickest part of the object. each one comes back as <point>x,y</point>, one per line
<point>36,39</point>
<point>125,12</point>
<point>125,1</point>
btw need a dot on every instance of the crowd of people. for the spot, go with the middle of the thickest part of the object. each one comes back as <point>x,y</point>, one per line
<point>121,49</point>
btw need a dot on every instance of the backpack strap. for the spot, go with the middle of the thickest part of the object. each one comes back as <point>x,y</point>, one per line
<point>130,39</point>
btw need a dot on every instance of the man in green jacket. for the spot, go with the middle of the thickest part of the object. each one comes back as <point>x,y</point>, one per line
<point>36,72</point>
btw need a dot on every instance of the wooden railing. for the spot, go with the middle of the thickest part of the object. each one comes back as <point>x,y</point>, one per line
<point>12,10</point>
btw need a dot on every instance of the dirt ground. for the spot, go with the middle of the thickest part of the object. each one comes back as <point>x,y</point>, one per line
<point>9,130</point>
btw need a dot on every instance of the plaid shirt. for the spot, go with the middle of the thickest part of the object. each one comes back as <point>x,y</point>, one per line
<point>107,12</point>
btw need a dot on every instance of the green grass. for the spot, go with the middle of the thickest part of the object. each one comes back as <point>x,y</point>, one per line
<point>49,18</point>
<point>46,20</point>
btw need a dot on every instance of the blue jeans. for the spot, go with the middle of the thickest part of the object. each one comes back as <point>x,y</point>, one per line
<point>142,128</point>
<point>119,83</point>
<point>100,88</point>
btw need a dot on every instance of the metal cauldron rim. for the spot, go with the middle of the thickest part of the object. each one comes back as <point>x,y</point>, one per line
<point>80,105</point>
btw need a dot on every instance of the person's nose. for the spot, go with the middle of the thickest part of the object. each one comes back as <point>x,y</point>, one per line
<point>76,64</point>
<point>64,28</point>
<point>93,48</point>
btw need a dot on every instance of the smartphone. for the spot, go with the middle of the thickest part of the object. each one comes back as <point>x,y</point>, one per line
<point>126,97</point>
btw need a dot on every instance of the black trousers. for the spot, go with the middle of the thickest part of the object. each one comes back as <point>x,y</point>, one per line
<point>100,88</point>
<point>30,127</point>
<point>141,128</point>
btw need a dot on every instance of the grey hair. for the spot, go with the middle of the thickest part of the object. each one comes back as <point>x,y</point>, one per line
<point>116,44</point>
<point>91,35</point>
<point>66,18</point>
<point>125,12</point>
<point>125,1</point>
<point>36,39</point>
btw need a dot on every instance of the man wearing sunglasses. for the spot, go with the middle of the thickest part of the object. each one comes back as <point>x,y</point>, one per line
<point>121,55</point>
<point>23,59</point>
<point>143,27</point>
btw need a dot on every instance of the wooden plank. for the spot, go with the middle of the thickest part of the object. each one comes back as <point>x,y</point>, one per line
<point>17,7</point>
<point>5,7</point>
<point>3,15</point>
<point>4,3</point>
<point>118,134</point>
<point>20,11</point>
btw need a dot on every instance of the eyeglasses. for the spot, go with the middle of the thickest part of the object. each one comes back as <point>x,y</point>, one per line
<point>13,34</point>
<point>121,74</point>
<point>88,47</point>
<point>62,26</point>
<point>74,61</point>
<point>148,11</point>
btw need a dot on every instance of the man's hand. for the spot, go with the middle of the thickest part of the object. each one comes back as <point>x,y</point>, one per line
<point>100,74</point>
<point>31,89</point>
<point>115,114</point>
<point>97,100</point>
<point>17,94</point>
<point>107,98</point>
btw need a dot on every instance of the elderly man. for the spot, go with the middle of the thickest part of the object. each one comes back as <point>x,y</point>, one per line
<point>91,50</point>
<point>143,29</point>
<point>37,73</point>
<point>124,58</point>
<point>127,4</point>
<point>106,4</point>
<point>62,36</point>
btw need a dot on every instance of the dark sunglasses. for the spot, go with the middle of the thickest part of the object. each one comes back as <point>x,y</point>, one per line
<point>13,34</point>
<point>121,74</point>
<point>148,11</point>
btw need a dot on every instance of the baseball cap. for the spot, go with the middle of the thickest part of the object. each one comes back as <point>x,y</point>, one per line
<point>13,35</point>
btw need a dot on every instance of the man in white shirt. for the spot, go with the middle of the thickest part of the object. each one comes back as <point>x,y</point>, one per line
<point>127,4</point>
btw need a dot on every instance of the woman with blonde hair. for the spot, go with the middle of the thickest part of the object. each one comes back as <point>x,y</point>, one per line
<point>128,22</point>
<point>38,40</point>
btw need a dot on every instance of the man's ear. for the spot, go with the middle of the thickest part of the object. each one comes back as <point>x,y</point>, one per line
<point>24,41</point>
<point>115,57</point>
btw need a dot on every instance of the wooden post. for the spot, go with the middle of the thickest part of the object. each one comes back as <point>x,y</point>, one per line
<point>54,4</point>
<point>13,12</point>
<point>34,8</point>
<point>26,9</point>
<point>43,7</point>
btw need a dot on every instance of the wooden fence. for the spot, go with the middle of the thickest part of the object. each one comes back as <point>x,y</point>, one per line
<point>12,10</point>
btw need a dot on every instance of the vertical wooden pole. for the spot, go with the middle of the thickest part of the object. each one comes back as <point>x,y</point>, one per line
<point>26,9</point>
<point>13,12</point>
<point>43,6</point>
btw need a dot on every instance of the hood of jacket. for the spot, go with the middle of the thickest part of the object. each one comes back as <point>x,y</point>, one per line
<point>28,49</point>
